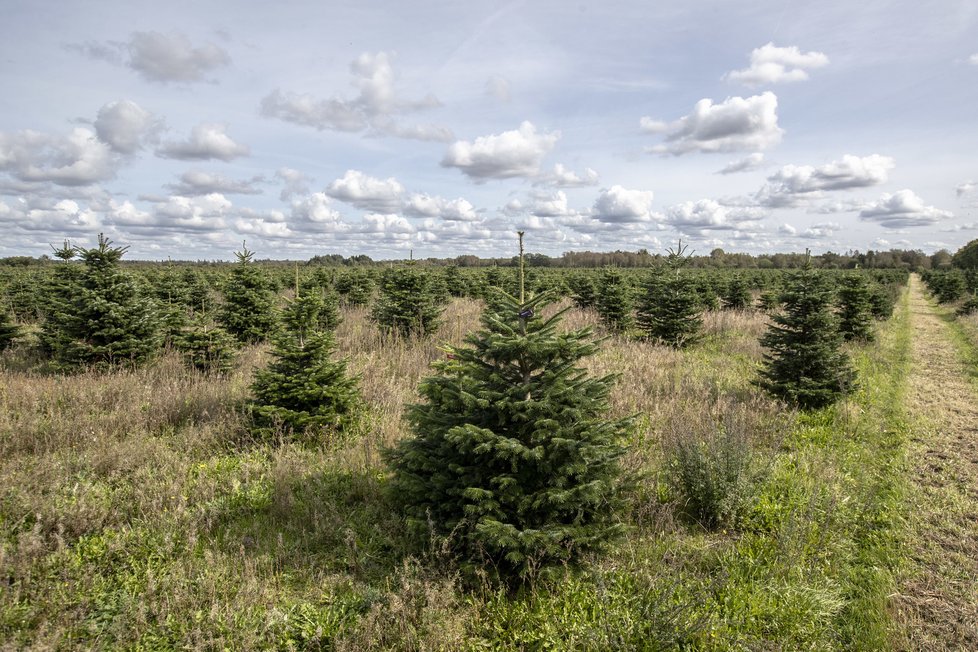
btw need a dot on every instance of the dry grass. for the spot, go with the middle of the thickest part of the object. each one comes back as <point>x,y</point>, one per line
<point>136,512</point>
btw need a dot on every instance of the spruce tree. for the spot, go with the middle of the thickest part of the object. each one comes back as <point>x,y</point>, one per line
<point>804,363</point>
<point>55,300</point>
<point>303,391</point>
<point>407,304</point>
<point>513,457</point>
<point>670,308</point>
<point>107,320</point>
<point>855,308</point>
<point>614,300</point>
<point>247,311</point>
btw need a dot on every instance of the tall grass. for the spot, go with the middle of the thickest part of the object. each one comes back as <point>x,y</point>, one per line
<point>136,513</point>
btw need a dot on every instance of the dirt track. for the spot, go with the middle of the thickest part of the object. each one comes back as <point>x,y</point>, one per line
<point>938,596</point>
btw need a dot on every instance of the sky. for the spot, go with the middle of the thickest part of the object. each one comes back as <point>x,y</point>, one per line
<point>440,128</point>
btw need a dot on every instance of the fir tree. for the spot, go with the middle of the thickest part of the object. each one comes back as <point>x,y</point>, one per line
<point>614,300</point>
<point>8,330</point>
<point>108,320</point>
<point>670,309</point>
<point>247,311</point>
<point>55,300</point>
<point>355,288</point>
<point>737,295</point>
<point>513,456</point>
<point>407,304</point>
<point>804,363</point>
<point>304,391</point>
<point>582,289</point>
<point>855,308</point>
<point>206,347</point>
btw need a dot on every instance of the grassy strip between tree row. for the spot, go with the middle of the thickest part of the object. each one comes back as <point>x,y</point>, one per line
<point>130,521</point>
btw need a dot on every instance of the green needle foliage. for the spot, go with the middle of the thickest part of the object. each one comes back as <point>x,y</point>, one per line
<point>613,300</point>
<point>247,311</point>
<point>8,330</point>
<point>407,304</point>
<point>855,308</point>
<point>737,295</point>
<point>104,320</point>
<point>670,310</point>
<point>513,457</point>
<point>304,392</point>
<point>804,364</point>
<point>207,348</point>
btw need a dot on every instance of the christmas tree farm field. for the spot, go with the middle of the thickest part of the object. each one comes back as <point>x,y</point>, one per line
<point>138,510</point>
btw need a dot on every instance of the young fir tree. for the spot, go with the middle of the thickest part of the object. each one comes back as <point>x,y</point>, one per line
<point>55,300</point>
<point>8,330</point>
<point>355,288</point>
<point>304,391</point>
<point>582,288</point>
<point>855,308</point>
<point>407,304</point>
<point>614,300</point>
<point>670,310</point>
<point>737,295</point>
<point>247,311</point>
<point>514,457</point>
<point>804,363</point>
<point>108,320</point>
<point>206,347</point>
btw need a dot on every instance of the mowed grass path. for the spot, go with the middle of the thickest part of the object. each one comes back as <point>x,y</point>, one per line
<point>938,599</point>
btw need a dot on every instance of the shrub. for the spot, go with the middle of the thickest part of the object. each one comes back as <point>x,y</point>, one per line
<point>710,468</point>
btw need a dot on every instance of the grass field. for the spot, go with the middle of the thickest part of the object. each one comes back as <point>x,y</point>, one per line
<point>136,512</point>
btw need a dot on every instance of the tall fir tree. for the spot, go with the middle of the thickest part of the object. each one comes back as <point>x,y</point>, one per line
<point>107,320</point>
<point>804,363</point>
<point>304,392</point>
<point>247,313</point>
<point>855,308</point>
<point>613,300</point>
<point>407,304</point>
<point>513,456</point>
<point>670,310</point>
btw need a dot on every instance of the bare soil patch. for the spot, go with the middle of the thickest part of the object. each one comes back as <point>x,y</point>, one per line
<point>938,594</point>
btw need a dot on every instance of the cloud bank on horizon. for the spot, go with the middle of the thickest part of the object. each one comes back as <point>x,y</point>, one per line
<point>182,130</point>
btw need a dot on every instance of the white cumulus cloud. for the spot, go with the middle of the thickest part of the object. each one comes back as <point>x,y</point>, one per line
<point>125,126</point>
<point>794,183</point>
<point>366,192</point>
<point>735,124</point>
<point>77,159</point>
<point>206,141</point>
<point>454,210</point>
<point>770,64</point>
<point>620,205</point>
<point>516,153</point>
<point>374,108</point>
<point>902,209</point>
<point>197,182</point>
<point>746,164</point>
<point>159,57</point>
<point>562,177</point>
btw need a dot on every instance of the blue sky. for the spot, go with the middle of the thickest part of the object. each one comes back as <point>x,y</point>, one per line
<point>374,128</point>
